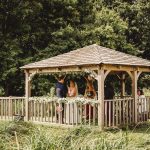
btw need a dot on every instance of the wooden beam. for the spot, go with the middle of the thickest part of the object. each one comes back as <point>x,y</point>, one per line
<point>111,67</point>
<point>125,68</point>
<point>64,69</point>
<point>130,74</point>
<point>134,94</point>
<point>27,94</point>
<point>101,98</point>
<point>123,85</point>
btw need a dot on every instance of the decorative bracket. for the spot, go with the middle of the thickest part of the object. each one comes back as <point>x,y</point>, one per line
<point>31,75</point>
<point>106,72</point>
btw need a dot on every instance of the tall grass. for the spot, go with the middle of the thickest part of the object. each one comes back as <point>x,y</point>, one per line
<point>26,136</point>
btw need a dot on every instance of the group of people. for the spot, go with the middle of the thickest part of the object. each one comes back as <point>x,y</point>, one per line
<point>62,90</point>
<point>71,90</point>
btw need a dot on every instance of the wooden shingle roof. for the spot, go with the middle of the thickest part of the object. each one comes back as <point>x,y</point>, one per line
<point>90,55</point>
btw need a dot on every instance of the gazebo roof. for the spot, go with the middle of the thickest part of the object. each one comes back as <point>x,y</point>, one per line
<point>90,55</point>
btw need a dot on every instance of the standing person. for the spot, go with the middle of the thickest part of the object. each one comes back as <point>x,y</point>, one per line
<point>72,112</point>
<point>61,88</point>
<point>142,102</point>
<point>91,94</point>
<point>72,89</point>
<point>61,92</point>
<point>90,91</point>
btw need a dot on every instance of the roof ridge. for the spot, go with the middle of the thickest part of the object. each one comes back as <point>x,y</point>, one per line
<point>100,58</point>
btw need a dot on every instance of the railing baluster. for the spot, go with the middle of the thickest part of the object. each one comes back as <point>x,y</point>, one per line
<point>39,108</point>
<point>94,113</point>
<point>76,113</point>
<point>105,113</point>
<point>120,113</point>
<point>90,114</point>
<point>130,111</point>
<point>116,113</point>
<point>127,113</point>
<point>81,113</point>
<point>110,111</point>
<point>51,111</point>
<point>85,113</point>
<point>113,113</point>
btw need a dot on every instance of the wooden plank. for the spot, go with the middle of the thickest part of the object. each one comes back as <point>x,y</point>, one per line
<point>89,114</point>
<point>116,113</point>
<point>41,111</point>
<point>146,115</point>
<point>60,114</point>
<point>85,113</point>
<point>113,113</point>
<point>1,101</point>
<point>55,112</point>
<point>51,111</point>
<point>45,111</point>
<point>94,113</point>
<point>34,106</point>
<point>110,115</point>
<point>123,103</point>
<point>22,105</point>
<point>127,113</point>
<point>5,109</point>
<point>120,113</point>
<point>76,116</point>
<point>81,113</point>
<point>105,113</point>
<point>65,107</point>
<point>130,111</point>
<point>72,113</point>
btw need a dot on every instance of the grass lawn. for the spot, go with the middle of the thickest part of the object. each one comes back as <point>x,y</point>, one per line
<point>27,136</point>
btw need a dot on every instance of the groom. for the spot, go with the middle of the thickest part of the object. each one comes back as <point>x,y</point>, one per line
<point>61,88</point>
<point>61,92</point>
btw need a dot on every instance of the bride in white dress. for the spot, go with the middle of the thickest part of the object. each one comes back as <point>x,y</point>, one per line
<point>71,109</point>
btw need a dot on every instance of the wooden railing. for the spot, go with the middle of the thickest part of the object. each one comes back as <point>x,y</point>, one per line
<point>118,112</point>
<point>143,109</point>
<point>122,97</point>
<point>11,107</point>
<point>70,113</point>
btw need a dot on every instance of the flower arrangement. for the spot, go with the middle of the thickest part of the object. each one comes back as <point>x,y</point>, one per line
<point>65,100</point>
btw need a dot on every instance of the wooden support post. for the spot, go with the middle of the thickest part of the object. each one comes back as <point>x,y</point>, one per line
<point>27,94</point>
<point>101,98</point>
<point>134,94</point>
<point>123,85</point>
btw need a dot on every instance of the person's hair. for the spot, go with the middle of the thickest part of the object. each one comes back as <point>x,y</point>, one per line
<point>141,92</point>
<point>72,81</point>
<point>60,78</point>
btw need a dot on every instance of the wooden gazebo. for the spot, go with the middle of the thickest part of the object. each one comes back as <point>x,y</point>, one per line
<point>95,58</point>
<point>105,112</point>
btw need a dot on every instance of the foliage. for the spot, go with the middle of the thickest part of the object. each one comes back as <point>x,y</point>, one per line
<point>39,137</point>
<point>32,30</point>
